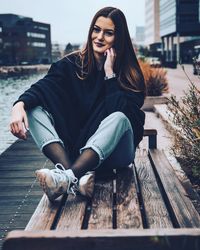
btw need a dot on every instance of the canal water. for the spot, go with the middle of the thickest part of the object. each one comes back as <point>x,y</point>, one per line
<point>10,90</point>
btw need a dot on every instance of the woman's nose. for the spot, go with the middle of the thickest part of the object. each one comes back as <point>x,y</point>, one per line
<point>100,35</point>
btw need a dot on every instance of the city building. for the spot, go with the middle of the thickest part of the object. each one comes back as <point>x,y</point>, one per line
<point>152,27</point>
<point>56,52</point>
<point>140,35</point>
<point>179,30</point>
<point>24,41</point>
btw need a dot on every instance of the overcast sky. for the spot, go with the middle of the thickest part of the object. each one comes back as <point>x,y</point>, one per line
<point>70,19</point>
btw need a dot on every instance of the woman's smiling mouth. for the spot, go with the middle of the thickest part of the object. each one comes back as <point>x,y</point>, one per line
<point>99,44</point>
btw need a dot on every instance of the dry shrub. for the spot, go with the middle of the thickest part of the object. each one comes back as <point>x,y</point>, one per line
<point>186,115</point>
<point>155,79</point>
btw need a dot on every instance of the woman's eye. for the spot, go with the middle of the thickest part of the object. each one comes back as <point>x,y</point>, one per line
<point>96,30</point>
<point>109,33</point>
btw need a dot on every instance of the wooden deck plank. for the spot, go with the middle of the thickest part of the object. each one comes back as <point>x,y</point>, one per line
<point>128,210</point>
<point>24,166</point>
<point>13,203</point>
<point>17,181</point>
<point>26,209</point>
<point>3,219</point>
<point>72,213</point>
<point>101,212</point>
<point>16,223</point>
<point>21,196</point>
<point>44,215</point>
<point>25,184</point>
<point>11,160</point>
<point>183,209</point>
<point>17,174</point>
<point>148,239</point>
<point>156,212</point>
<point>19,193</point>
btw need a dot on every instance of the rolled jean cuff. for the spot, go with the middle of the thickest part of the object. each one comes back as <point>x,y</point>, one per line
<point>48,141</point>
<point>97,150</point>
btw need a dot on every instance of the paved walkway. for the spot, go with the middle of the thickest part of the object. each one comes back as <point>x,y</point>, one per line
<point>178,81</point>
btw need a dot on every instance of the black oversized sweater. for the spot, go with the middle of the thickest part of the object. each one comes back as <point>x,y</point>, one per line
<point>78,106</point>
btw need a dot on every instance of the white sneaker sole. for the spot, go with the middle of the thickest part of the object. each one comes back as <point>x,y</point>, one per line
<point>86,184</point>
<point>45,180</point>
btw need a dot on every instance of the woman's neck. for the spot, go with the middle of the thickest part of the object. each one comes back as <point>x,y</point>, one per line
<point>99,61</point>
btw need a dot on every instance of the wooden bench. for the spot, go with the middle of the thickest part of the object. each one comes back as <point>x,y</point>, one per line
<point>143,206</point>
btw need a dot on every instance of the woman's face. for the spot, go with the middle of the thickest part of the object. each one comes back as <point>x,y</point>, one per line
<point>103,35</point>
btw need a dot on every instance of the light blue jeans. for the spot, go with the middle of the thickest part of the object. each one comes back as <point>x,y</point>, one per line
<point>112,141</point>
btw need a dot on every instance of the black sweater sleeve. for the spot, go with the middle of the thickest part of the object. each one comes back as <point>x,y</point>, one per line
<point>35,95</point>
<point>128,102</point>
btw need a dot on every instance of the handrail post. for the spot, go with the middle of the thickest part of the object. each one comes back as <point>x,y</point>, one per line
<point>152,137</point>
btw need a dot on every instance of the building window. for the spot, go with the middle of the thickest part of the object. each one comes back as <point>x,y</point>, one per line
<point>1,40</point>
<point>37,44</point>
<point>0,29</point>
<point>7,44</point>
<point>41,27</point>
<point>36,35</point>
<point>16,44</point>
<point>20,22</point>
<point>199,10</point>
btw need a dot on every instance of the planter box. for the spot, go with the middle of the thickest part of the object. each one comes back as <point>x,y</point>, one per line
<point>170,64</point>
<point>150,101</point>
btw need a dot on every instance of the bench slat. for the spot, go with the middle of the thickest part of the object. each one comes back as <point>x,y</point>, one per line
<point>128,210</point>
<point>44,215</point>
<point>183,209</point>
<point>101,213</point>
<point>156,212</point>
<point>147,239</point>
<point>72,213</point>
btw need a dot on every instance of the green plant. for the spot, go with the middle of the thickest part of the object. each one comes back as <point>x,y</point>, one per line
<point>155,79</point>
<point>186,116</point>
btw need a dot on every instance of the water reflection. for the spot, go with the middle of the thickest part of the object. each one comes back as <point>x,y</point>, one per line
<point>10,89</point>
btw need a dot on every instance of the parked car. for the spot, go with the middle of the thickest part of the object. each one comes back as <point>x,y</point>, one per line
<point>154,61</point>
<point>196,65</point>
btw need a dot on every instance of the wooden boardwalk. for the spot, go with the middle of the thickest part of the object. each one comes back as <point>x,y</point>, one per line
<point>150,197</point>
<point>19,191</point>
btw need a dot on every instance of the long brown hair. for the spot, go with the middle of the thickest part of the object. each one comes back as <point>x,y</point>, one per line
<point>126,65</point>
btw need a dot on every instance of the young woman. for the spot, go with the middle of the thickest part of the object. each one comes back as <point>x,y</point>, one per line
<point>85,113</point>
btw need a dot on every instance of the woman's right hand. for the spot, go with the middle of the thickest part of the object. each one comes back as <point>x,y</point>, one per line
<point>19,121</point>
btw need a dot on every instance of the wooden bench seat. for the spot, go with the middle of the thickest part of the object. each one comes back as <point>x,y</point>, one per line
<point>143,206</point>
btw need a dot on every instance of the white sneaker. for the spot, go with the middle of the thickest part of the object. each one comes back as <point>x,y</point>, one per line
<point>57,181</point>
<point>86,184</point>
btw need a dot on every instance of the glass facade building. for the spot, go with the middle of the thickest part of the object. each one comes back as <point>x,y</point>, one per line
<point>152,27</point>
<point>152,19</point>
<point>24,41</point>
<point>179,19</point>
<point>167,17</point>
<point>180,16</point>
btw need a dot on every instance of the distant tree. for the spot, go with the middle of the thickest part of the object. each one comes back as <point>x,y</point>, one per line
<point>144,51</point>
<point>68,48</point>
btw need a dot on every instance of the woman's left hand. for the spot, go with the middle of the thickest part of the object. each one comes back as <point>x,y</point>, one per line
<point>109,62</point>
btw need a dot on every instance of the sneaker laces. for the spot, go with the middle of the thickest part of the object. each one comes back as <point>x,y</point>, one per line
<point>59,167</point>
<point>72,189</point>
